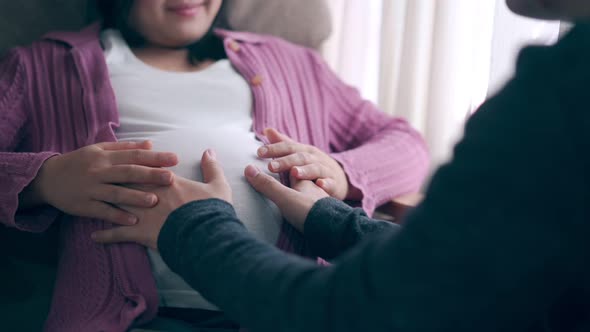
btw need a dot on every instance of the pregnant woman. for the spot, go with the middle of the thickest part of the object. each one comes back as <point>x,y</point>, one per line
<point>158,70</point>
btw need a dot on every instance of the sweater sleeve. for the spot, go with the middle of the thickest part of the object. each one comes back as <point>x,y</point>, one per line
<point>383,156</point>
<point>499,241</point>
<point>17,169</point>
<point>332,227</point>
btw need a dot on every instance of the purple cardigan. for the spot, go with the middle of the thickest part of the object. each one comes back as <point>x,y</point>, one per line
<point>56,96</point>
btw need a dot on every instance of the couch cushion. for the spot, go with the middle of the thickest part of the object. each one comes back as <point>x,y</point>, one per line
<point>23,21</point>
<point>304,22</point>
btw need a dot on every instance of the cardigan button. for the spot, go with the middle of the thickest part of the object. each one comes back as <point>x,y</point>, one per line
<point>234,46</point>
<point>257,80</point>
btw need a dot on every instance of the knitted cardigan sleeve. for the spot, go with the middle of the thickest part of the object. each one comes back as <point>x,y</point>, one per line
<point>383,156</point>
<point>18,168</point>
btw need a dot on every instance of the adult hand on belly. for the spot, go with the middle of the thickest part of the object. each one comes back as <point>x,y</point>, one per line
<point>181,192</point>
<point>306,162</point>
<point>88,182</point>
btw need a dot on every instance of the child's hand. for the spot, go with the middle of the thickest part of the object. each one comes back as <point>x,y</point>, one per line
<point>306,162</point>
<point>86,182</point>
<point>294,203</point>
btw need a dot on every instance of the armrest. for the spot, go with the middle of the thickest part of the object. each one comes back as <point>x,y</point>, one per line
<point>396,209</point>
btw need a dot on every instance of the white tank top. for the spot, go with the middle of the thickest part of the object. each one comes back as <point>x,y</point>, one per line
<point>186,113</point>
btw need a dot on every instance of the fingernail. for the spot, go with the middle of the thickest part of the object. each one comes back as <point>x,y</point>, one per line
<point>145,145</point>
<point>133,220</point>
<point>168,158</point>
<point>166,177</point>
<point>212,154</point>
<point>262,151</point>
<point>275,165</point>
<point>299,171</point>
<point>150,199</point>
<point>252,171</point>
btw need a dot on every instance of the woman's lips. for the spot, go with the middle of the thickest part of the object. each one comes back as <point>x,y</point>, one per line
<point>187,10</point>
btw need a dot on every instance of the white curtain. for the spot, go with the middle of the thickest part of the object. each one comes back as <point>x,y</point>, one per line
<point>430,61</point>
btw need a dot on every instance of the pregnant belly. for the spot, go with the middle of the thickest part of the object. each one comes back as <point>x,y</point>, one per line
<point>235,149</point>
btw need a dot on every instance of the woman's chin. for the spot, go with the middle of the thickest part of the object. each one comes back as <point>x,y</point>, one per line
<point>182,38</point>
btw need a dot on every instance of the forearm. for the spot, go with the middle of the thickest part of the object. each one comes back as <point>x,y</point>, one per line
<point>421,279</point>
<point>333,227</point>
<point>258,285</point>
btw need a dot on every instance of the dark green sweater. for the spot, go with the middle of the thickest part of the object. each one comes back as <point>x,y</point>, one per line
<point>501,242</point>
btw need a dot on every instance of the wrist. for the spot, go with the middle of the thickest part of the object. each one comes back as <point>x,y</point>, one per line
<point>38,187</point>
<point>30,196</point>
<point>351,193</point>
<point>313,210</point>
<point>33,194</point>
<point>305,207</point>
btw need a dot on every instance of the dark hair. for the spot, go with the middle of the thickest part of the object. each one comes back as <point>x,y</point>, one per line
<point>115,15</point>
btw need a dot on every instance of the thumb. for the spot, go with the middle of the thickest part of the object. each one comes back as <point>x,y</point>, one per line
<point>274,136</point>
<point>293,205</point>
<point>211,168</point>
<point>267,185</point>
